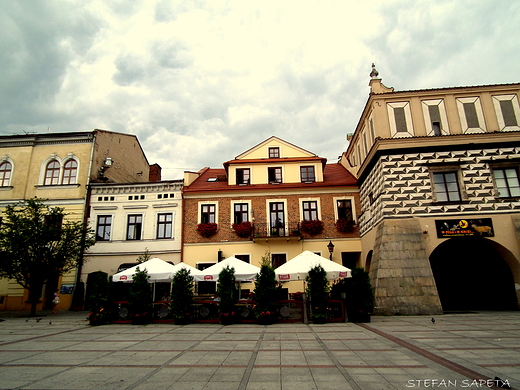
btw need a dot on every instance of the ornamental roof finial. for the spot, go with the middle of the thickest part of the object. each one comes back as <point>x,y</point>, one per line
<point>374,72</point>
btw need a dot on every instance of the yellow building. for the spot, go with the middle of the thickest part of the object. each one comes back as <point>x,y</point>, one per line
<point>59,167</point>
<point>438,171</point>
<point>274,186</point>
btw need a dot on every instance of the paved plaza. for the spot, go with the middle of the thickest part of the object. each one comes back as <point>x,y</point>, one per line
<point>457,351</point>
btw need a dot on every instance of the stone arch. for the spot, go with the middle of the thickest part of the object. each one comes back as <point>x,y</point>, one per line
<point>474,273</point>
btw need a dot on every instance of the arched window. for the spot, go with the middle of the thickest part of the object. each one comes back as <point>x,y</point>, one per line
<point>70,171</point>
<point>5,173</point>
<point>52,173</point>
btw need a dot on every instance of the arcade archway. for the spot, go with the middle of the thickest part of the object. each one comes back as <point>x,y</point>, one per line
<point>470,274</point>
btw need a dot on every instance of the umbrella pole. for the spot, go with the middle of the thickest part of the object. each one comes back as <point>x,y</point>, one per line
<point>304,299</point>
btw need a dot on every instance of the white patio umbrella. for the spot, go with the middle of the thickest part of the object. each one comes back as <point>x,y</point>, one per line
<point>158,270</point>
<point>298,267</point>
<point>243,271</point>
<point>193,271</point>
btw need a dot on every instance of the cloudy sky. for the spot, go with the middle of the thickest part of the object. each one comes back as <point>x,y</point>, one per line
<point>201,81</point>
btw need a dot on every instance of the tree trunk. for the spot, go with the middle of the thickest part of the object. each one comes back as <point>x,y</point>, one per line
<point>35,293</point>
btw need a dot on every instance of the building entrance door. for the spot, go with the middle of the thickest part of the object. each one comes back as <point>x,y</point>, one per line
<point>470,274</point>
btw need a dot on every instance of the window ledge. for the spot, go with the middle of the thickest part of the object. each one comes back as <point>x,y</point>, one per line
<point>507,199</point>
<point>6,188</point>
<point>44,187</point>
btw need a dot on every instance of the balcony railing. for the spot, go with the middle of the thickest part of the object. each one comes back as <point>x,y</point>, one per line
<point>264,229</point>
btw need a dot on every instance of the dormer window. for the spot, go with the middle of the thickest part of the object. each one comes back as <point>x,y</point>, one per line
<point>243,176</point>
<point>307,174</point>
<point>274,152</point>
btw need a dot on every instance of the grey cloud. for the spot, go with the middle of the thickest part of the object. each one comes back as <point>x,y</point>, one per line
<point>130,69</point>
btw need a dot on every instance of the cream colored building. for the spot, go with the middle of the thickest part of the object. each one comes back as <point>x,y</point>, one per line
<point>438,172</point>
<point>58,167</point>
<point>132,218</point>
<point>275,186</point>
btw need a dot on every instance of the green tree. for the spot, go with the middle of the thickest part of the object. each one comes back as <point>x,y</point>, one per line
<point>141,296</point>
<point>265,290</point>
<point>36,246</point>
<point>227,290</point>
<point>318,291</point>
<point>182,294</point>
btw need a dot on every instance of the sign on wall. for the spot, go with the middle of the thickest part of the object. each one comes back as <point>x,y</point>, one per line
<point>482,227</point>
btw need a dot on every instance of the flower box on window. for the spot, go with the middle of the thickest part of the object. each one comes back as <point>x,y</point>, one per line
<point>345,225</point>
<point>312,227</point>
<point>243,229</point>
<point>207,229</point>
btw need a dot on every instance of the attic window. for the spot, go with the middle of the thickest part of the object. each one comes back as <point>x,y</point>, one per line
<point>212,179</point>
<point>274,152</point>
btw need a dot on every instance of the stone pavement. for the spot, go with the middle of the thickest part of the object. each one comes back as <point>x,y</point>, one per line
<point>458,351</point>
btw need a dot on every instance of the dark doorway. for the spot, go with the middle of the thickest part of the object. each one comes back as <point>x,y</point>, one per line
<point>471,275</point>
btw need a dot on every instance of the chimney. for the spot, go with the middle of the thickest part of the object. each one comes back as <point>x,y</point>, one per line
<point>155,172</point>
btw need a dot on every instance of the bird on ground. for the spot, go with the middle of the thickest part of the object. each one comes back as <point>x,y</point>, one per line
<point>39,319</point>
<point>433,320</point>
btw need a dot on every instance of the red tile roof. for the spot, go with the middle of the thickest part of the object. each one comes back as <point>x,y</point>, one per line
<point>333,175</point>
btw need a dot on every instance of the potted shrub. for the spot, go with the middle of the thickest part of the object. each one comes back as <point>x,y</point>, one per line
<point>318,292</point>
<point>228,294</point>
<point>207,229</point>
<point>313,227</point>
<point>140,297</point>
<point>360,297</point>
<point>345,225</point>
<point>98,298</point>
<point>243,229</point>
<point>265,293</point>
<point>182,296</point>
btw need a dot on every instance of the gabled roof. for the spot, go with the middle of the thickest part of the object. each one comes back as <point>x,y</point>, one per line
<point>244,155</point>
<point>334,175</point>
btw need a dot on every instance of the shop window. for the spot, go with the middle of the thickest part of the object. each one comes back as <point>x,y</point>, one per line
<point>278,259</point>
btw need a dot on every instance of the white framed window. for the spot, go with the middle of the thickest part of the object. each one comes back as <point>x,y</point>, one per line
<point>508,112</point>
<point>400,118</point>
<point>55,171</point>
<point>310,209</point>
<point>207,212</point>
<point>164,226</point>
<point>507,182</point>
<point>6,172</point>
<point>104,227</point>
<point>471,115</point>
<point>70,172</point>
<point>240,211</point>
<point>435,118</point>
<point>344,207</point>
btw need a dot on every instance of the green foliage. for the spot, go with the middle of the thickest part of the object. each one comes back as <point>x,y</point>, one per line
<point>97,284</point>
<point>359,297</point>
<point>36,245</point>
<point>318,290</point>
<point>227,290</point>
<point>265,290</point>
<point>182,293</point>
<point>140,293</point>
<point>144,257</point>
